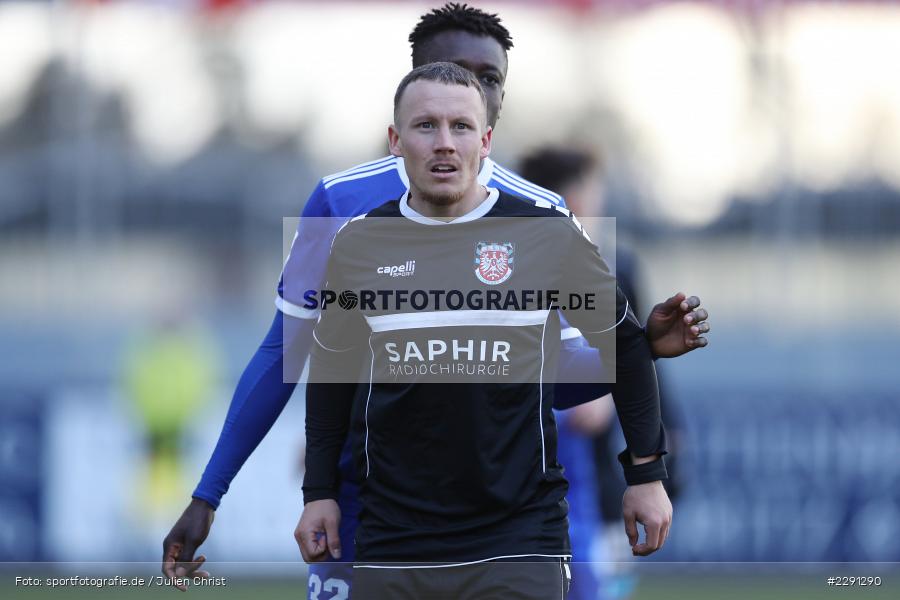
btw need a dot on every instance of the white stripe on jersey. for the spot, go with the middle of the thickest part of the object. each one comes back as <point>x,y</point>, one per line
<point>522,182</point>
<point>288,257</point>
<point>457,318</point>
<point>362,175</point>
<point>462,564</point>
<point>565,211</point>
<point>580,228</point>
<point>624,316</point>
<point>315,337</point>
<point>476,213</point>
<point>519,190</point>
<point>292,310</point>
<point>367,165</point>
<point>569,333</point>
<point>541,402</point>
<point>486,172</point>
<point>368,398</point>
<point>341,228</point>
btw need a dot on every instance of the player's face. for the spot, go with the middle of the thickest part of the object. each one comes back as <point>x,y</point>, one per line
<point>481,54</point>
<point>440,132</point>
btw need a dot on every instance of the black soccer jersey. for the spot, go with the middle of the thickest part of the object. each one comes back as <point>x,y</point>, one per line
<point>442,342</point>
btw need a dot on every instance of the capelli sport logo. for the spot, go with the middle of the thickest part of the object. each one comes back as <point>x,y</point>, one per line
<point>405,270</point>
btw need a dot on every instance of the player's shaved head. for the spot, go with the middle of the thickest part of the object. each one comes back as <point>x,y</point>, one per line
<point>439,72</point>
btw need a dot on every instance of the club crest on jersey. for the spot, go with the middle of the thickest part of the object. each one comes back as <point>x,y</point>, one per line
<point>494,261</point>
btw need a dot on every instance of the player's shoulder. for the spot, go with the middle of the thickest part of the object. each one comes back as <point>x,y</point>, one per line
<point>361,175</point>
<point>368,220</point>
<point>358,189</point>
<point>512,183</point>
<point>390,208</point>
<point>509,205</point>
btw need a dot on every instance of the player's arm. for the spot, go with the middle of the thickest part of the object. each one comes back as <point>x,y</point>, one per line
<point>334,362</point>
<point>258,400</point>
<point>260,396</point>
<point>615,331</point>
<point>674,327</point>
<point>263,389</point>
<point>329,402</point>
<point>577,381</point>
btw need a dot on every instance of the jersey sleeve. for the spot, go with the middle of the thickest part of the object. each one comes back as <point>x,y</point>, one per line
<point>514,184</point>
<point>579,378</point>
<point>339,329</point>
<point>304,268</point>
<point>260,396</point>
<point>612,328</point>
<point>335,356</point>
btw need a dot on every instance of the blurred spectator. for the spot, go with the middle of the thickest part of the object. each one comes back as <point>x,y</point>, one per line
<point>572,175</point>
<point>168,377</point>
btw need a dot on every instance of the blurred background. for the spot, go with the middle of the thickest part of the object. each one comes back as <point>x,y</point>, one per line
<point>149,151</point>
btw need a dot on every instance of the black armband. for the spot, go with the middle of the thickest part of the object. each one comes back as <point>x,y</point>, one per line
<point>644,473</point>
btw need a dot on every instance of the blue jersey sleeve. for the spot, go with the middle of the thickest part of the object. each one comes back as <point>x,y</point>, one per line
<point>579,364</point>
<point>513,183</point>
<point>304,268</point>
<point>259,398</point>
<point>262,392</point>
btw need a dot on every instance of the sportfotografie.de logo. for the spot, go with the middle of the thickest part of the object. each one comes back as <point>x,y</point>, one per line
<point>437,300</point>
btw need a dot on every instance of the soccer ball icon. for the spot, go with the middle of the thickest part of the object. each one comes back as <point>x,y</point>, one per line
<point>348,300</point>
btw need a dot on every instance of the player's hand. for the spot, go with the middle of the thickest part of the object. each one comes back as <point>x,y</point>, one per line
<point>317,531</point>
<point>676,326</point>
<point>186,535</point>
<point>649,505</point>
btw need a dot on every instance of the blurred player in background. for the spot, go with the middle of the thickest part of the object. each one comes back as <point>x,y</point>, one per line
<point>475,40</point>
<point>589,437</point>
<point>573,175</point>
<point>168,374</point>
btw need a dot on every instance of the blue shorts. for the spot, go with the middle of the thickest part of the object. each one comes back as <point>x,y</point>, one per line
<point>331,580</point>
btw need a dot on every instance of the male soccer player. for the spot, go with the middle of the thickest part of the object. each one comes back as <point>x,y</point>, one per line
<point>475,40</point>
<point>464,474</point>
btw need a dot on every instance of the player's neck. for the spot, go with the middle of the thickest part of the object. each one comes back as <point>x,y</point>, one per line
<point>447,212</point>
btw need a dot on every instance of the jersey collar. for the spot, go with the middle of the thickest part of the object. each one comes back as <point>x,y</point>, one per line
<point>484,175</point>
<point>476,213</point>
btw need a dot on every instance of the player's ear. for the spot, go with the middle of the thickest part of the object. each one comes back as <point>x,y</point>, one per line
<point>394,141</point>
<point>486,142</point>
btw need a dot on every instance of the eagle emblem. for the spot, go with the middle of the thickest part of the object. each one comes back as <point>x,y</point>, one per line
<point>494,261</point>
